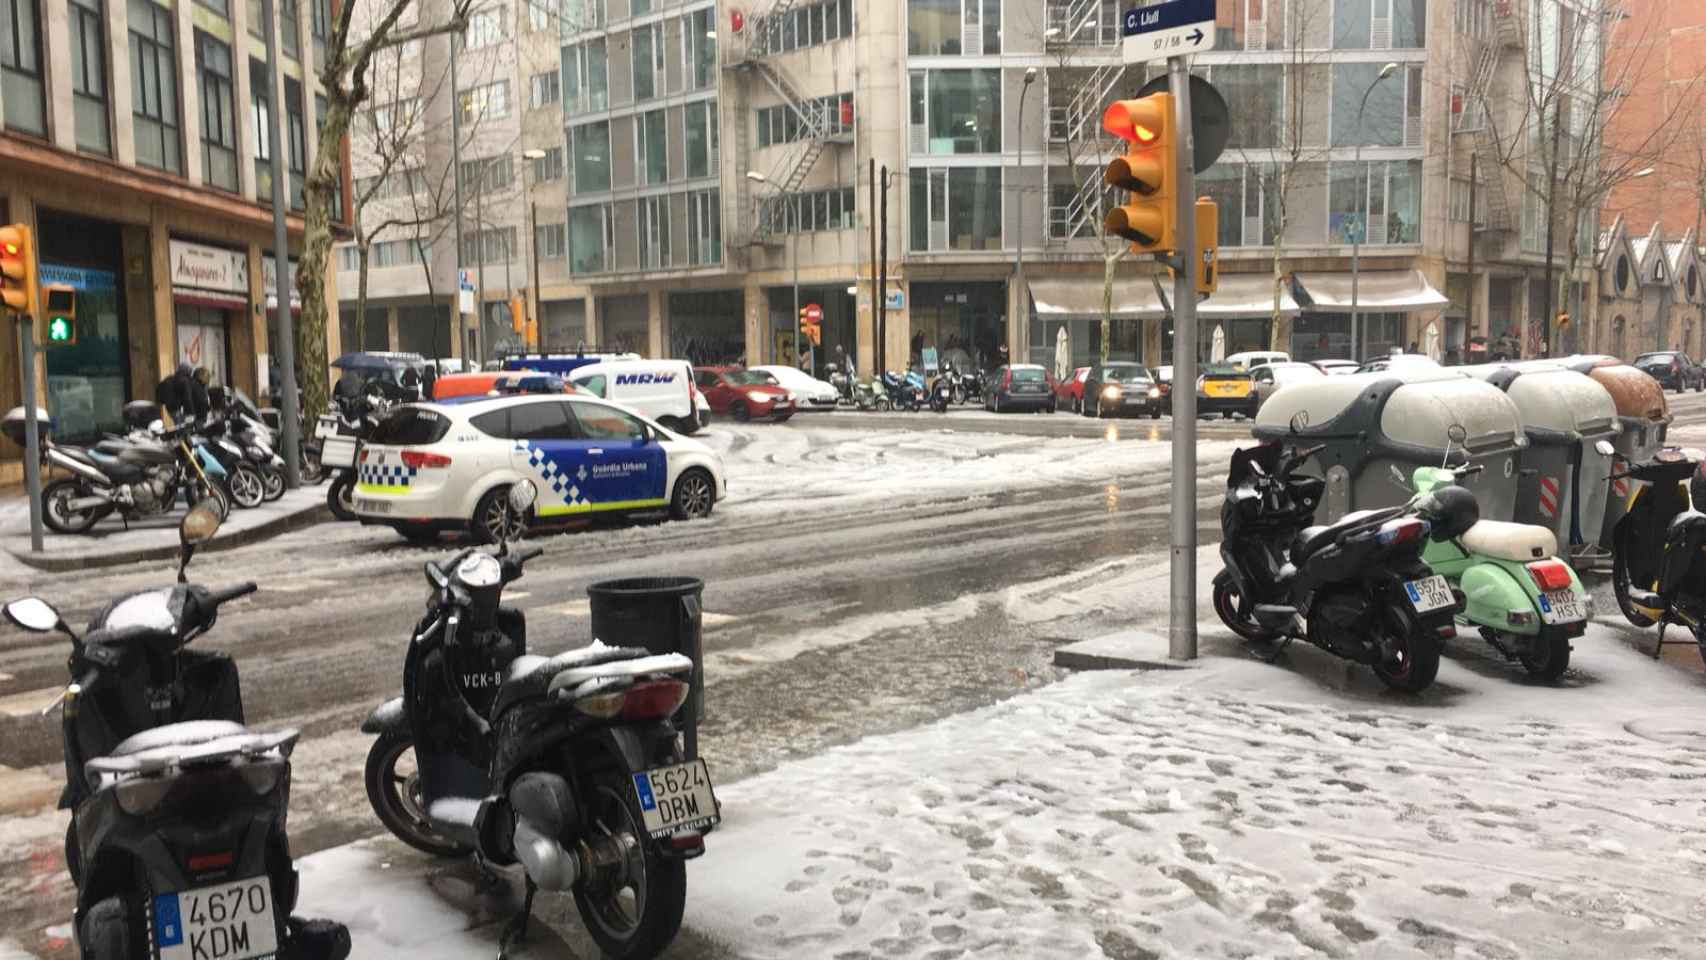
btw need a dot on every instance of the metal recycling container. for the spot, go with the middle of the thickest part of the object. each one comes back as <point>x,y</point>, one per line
<point>662,614</point>
<point>1563,478</point>
<point>1371,423</point>
<point>1645,415</point>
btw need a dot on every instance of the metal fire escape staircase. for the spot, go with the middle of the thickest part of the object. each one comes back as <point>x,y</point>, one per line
<point>1079,121</point>
<point>1073,18</point>
<point>1507,35</point>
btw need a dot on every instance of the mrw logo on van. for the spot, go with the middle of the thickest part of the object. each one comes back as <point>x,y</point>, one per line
<point>627,378</point>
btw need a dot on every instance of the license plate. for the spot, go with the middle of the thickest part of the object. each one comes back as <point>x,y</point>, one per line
<point>227,921</point>
<point>372,506</point>
<point>676,798</point>
<point>1561,606</point>
<point>1430,594</point>
<point>1226,388</point>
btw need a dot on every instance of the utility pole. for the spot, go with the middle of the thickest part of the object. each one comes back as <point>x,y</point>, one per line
<point>456,179</point>
<point>281,259</point>
<point>1182,610</point>
<point>876,292</point>
<point>32,436</point>
<point>883,279</point>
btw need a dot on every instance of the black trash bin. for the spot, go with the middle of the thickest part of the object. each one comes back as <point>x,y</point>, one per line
<point>661,614</point>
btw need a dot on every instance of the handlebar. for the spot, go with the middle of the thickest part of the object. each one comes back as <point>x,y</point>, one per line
<point>86,680</point>
<point>527,553</point>
<point>217,597</point>
<point>1471,469</point>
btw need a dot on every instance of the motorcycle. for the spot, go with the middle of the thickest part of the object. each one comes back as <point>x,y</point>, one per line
<point>1526,602</point>
<point>842,381</point>
<point>569,765</point>
<point>1357,588</point>
<point>177,843</point>
<point>942,391</point>
<point>247,485</point>
<point>903,393</point>
<point>868,396</point>
<point>253,426</point>
<point>1657,572</point>
<point>970,388</point>
<point>340,434</point>
<point>136,476</point>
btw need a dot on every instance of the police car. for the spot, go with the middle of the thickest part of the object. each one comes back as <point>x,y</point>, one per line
<point>432,467</point>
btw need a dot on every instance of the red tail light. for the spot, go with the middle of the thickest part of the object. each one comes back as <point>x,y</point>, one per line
<point>363,457</point>
<point>1550,574</point>
<point>654,700</point>
<point>1006,380</point>
<point>1397,532</point>
<point>417,460</point>
<point>203,862</point>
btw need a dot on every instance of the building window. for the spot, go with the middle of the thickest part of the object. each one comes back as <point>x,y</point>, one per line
<point>704,228</point>
<point>320,26</point>
<point>485,28</point>
<point>544,89</point>
<point>956,111</point>
<point>1386,119</point>
<point>647,46</point>
<point>20,68</point>
<point>701,135</point>
<point>541,14</point>
<point>549,167</point>
<point>154,87</point>
<point>700,50</point>
<point>260,108</point>
<point>818,117</point>
<point>582,15</point>
<point>1380,24</point>
<point>1248,196</point>
<point>88,77</point>
<point>807,25</point>
<point>591,238</point>
<point>290,29</point>
<point>550,240</point>
<point>955,27</point>
<point>390,118</point>
<point>489,174</point>
<point>494,244</point>
<point>295,134</point>
<point>586,75</point>
<point>589,144</point>
<point>489,102</point>
<point>1259,90</point>
<point>653,147</point>
<point>811,211</point>
<point>336,200</point>
<point>1388,195</point>
<point>384,253</point>
<point>218,112</point>
<point>654,232</point>
<point>221,7</point>
<point>956,209</point>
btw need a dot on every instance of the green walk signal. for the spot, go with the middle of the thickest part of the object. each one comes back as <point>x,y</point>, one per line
<point>59,330</point>
<point>60,309</point>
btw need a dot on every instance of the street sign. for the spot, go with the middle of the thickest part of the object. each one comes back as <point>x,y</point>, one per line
<point>1170,28</point>
<point>812,313</point>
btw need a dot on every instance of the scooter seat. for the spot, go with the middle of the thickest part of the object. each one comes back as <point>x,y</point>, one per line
<point>186,744</point>
<point>186,734</point>
<point>1519,542</point>
<point>1313,539</point>
<point>530,676</point>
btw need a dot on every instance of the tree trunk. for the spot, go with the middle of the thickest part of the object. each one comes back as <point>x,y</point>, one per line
<point>363,247</point>
<point>323,175</point>
<point>1108,263</point>
<point>1278,321</point>
<point>1546,301</point>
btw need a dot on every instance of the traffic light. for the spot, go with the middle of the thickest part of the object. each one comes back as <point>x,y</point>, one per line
<point>1149,169</point>
<point>18,282</point>
<point>61,314</point>
<point>517,314</point>
<point>531,337</point>
<point>1208,245</point>
<point>810,323</point>
<point>1563,319</point>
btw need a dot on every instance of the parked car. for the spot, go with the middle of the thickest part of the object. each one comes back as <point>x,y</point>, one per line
<point>430,467</point>
<point>659,389</point>
<point>744,394</point>
<point>1019,386</point>
<point>1164,383</point>
<point>809,392</point>
<point>1121,389</point>
<point>1226,390</point>
<point>1336,368</point>
<point>1251,359</point>
<point>1398,361</point>
<point>1673,369</point>
<point>1069,393</point>
<point>1271,377</point>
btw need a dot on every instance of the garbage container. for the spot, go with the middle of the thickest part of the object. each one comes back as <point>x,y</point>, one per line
<point>1563,478</point>
<point>1645,416</point>
<point>1373,422</point>
<point>661,614</point>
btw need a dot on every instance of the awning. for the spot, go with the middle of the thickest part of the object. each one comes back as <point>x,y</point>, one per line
<point>1134,297</point>
<point>1245,295</point>
<point>218,299</point>
<point>1376,290</point>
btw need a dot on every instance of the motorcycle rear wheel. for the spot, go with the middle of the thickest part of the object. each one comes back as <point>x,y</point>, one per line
<point>1226,602</point>
<point>396,798</point>
<point>60,518</point>
<point>311,471</point>
<point>1545,657</point>
<point>340,497</point>
<point>248,489</point>
<point>632,909</point>
<point>272,482</point>
<point>1418,656</point>
<point>1622,543</point>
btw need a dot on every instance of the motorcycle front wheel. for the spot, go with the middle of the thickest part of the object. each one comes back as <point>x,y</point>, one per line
<point>56,512</point>
<point>1622,579</point>
<point>272,482</point>
<point>248,489</point>
<point>394,792</point>
<point>1226,603</point>
<point>631,907</point>
<point>340,497</point>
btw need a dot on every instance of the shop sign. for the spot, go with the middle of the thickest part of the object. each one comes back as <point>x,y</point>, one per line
<point>202,267</point>
<point>269,281</point>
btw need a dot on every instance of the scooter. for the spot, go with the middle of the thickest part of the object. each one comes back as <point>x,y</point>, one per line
<point>942,391</point>
<point>569,766</point>
<point>1527,603</point>
<point>903,393</point>
<point>177,842</point>
<point>1657,570</point>
<point>867,395</point>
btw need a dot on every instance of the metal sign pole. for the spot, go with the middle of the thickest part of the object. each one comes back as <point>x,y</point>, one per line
<point>1182,612</point>
<point>289,405</point>
<point>32,440</point>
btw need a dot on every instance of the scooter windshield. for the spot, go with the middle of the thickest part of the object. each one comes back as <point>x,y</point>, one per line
<point>155,610</point>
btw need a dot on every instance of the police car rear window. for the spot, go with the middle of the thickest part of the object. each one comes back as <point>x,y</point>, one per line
<point>410,427</point>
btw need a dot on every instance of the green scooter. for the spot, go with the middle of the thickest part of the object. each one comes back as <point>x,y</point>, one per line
<point>1527,603</point>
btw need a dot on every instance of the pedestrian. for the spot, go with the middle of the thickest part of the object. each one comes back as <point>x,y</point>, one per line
<point>411,383</point>
<point>350,390</point>
<point>429,377</point>
<point>201,404</point>
<point>173,393</point>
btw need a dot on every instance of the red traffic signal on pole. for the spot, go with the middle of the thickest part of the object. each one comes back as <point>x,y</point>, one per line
<point>18,282</point>
<point>1148,169</point>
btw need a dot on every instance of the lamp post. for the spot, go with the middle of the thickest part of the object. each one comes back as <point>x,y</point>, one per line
<point>1021,318</point>
<point>532,156</point>
<point>793,253</point>
<point>1356,237</point>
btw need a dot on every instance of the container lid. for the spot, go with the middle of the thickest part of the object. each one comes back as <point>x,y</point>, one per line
<point>1326,399</point>
<point>1552,397</point>
<point>1419,414</point>
<point>1634,393</point>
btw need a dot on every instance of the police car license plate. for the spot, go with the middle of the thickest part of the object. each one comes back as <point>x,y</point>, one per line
<point>676,798</point>
<point>227,921</point>
<point>1429,594</point>
<point>1561,606</point>
<point>372,506</point>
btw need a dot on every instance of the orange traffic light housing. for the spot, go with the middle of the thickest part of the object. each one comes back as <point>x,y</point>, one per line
<point>810,326</point>
<point>1208,245</point>
<point>60,328</point>
<point>517,315</point>
<point>1149,169</point>
<point>19,285</point>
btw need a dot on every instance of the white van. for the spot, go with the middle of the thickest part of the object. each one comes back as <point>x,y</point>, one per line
<point>1252,359</point>
<point>660,389</point>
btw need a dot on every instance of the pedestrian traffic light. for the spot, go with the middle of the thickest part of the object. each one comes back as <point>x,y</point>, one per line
<point>517,315</point>
<point>531,336</point>
<point>18,283</point>
<point>1208,245</point>
<point>1149,169</point>
<point>61,314</point>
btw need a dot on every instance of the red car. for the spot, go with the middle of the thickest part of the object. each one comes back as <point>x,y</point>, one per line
<point>1069,393</point>
<point>744,394</point>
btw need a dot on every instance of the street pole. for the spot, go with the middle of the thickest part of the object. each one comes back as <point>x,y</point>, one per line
<point>1362,228</point>
<point>1182,613</point>
<point>456,179</point>
<point>290,411</point>
<point>538,293</point>
<point>1469,324</point>
<point>1021,297</point>
<point>32,438</point>
<point>876,293</point>
<point>479,250</point>
<point>794,255</point>
<point>883,279</point>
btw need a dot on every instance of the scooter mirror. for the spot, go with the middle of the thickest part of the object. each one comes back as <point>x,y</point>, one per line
<point>200,524</point>
<point>33,614</point>
<point>1605,449</point>
<point>522,495</point>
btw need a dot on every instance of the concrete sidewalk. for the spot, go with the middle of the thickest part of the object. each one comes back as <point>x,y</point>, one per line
<point>152,538</point>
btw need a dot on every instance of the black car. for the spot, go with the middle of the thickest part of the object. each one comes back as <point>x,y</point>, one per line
<point>1673,370</point>
<point>1121,389</point>
<point>1019,386</point>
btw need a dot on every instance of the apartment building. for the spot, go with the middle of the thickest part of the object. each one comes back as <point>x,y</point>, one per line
<point>135,142</point>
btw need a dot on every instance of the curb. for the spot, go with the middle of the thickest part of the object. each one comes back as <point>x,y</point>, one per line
<point>1127,650</point>
<point>318,513</point>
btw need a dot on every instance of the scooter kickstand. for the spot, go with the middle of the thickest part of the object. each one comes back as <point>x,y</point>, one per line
<point>516,930</point>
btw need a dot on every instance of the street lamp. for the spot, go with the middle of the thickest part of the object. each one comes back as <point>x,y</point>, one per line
<point>532,155</point>
<point>1020,321</point>
<point>793,251</point>
<point>1356,235</point>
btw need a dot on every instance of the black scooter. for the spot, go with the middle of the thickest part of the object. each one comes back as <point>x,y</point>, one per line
<point>1658,571</point>
<point>903,395</point>
<point>1357,588</point>
<point>568,765</point>
<point>177,841</point>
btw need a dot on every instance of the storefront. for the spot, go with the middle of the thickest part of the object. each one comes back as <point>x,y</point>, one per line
<point>837,306</point>
<point>963,322</point>
<point>1075,304</point>
<point>706,328</point>
<point>1385,299</point>
<point>209,286</point>
<point>88,382</point>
